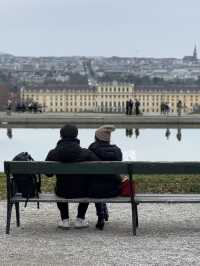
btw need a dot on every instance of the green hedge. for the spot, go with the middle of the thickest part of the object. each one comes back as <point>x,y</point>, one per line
<point>144,183</point>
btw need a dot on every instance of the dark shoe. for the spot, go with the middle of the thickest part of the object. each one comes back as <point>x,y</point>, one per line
<point>100,224</point>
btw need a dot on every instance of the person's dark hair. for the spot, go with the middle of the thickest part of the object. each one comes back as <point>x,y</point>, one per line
<point>69,131</point>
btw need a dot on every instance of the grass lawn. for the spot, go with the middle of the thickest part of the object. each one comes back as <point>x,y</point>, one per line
<point>144,183</point>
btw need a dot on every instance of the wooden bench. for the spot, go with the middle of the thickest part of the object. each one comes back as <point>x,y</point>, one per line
<point>45,168</point>
<point>89,168</point>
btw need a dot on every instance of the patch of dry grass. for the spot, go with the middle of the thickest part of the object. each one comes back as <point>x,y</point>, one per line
<point>144,183</point>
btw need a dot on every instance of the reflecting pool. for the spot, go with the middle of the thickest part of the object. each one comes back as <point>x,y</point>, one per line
<point>141,144</point>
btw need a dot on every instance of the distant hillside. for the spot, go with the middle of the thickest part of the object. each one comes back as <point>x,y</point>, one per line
<point>5,54</point>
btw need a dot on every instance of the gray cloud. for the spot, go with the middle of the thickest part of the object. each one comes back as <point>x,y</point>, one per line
<point>99,27</point>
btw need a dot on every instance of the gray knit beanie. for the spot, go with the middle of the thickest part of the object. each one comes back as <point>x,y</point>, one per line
<point>104,132</point>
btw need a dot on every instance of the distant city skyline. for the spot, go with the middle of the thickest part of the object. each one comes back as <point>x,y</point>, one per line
<point>129,28</point>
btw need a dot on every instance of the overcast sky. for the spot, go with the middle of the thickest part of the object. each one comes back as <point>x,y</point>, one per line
<point>149,28</point>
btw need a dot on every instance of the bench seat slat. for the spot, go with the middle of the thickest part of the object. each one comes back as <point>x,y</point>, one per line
<point>139,198</point>
<point>167,198</point>
<point>50,197</point>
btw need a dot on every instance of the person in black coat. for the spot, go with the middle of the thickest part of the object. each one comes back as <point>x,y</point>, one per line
<point>104,186</point>
<point>68,150</point>
<point>127,107</point>
<point>137,107</point>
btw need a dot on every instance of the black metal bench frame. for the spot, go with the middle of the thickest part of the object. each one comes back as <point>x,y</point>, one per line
<point>127,168</point>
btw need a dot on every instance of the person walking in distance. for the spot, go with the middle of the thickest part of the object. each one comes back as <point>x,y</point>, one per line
<point>137,107</point>
<point>130,107</point>
<point>179,107</point>
<point>127,107</point>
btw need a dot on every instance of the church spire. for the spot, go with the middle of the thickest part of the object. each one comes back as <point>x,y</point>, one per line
<point>195,52</point>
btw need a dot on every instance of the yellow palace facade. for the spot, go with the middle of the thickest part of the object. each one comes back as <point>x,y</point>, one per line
<point>110,97</point>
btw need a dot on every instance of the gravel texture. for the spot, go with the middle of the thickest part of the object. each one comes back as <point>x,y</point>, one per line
<point>168,234</point>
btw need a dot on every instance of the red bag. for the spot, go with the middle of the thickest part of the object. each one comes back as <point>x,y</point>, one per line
<point>125,188</point>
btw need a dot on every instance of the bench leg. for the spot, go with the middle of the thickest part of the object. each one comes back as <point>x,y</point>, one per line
<point>134,207</point>
<point>9,211</point>
<point>17,214</point>
<point>136,215</point>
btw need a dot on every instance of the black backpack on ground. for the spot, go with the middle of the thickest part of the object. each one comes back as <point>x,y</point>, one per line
<point>26,184</point>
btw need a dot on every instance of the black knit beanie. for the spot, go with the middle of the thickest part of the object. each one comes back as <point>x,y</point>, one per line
<point>69,131</point>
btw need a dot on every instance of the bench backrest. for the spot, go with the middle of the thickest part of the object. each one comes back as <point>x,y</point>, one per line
<point>40,167</point>
<point>66,168</point>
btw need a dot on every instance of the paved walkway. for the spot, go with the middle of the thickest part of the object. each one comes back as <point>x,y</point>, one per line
<point>168,235</point>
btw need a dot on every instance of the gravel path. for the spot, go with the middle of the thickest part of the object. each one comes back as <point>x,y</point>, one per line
<point>168,235</point>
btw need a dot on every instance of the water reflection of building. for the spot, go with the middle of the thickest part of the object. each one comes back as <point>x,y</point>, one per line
<point>9,133</point>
